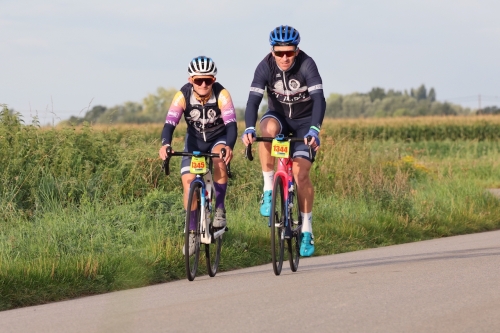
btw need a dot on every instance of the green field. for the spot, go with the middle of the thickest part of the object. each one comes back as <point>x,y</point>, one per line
<point>87,210</point>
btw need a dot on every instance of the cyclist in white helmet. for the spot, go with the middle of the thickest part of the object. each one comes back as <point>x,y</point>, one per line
<point>296,106</point>
<point>211,125</point>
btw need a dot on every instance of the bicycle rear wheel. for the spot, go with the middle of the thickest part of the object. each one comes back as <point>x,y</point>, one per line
<point>192,260</point>
<point>212,251</point>
<point>293,243</point>
<point>277,219</point>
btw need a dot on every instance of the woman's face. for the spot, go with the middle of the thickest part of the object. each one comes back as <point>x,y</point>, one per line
<point>202,84</point>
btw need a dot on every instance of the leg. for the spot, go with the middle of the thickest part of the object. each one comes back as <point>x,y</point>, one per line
<point>305,191</point>
<point>301,168</point>
<point>269,127</point>
<point>220,185</point>
<point>187,178</point>
<point>186,183</point>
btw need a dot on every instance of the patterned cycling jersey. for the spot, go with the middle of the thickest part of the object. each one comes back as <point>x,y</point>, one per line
<point>292,93</point>
<point>206,121</point>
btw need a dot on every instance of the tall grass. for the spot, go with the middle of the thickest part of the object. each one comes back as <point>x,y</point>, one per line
<point>87,210</point>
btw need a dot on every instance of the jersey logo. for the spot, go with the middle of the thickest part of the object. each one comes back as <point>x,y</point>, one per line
<point>294,84</point>
<point>278,85</point>
<point>211,116</point>
<point>195,114</point>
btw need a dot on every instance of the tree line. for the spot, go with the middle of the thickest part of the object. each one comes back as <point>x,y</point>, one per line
<point>392,103</point>
<point>376,103</point>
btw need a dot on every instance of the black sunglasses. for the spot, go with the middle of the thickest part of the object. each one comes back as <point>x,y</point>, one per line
<point>289,54</point>
<point>208,81</point>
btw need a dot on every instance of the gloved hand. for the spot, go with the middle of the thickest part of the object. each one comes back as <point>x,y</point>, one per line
<point>315,134</point>
<point>244,137</point>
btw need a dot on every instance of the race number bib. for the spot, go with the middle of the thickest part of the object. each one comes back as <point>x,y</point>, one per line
<point>198,165</point>
<point>280,149</point>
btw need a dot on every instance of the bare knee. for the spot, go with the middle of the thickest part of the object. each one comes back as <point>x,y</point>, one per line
<point>270,127</point>
<point>301,169</point>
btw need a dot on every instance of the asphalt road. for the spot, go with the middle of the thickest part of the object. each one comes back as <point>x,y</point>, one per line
<point>443,285</point>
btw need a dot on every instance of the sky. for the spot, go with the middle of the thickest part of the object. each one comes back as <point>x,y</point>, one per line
<point>60,58</point>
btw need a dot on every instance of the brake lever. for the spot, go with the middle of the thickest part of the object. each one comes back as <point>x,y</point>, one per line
<point>166,162</point>
<point>309,138</point>
<point>248,152</point>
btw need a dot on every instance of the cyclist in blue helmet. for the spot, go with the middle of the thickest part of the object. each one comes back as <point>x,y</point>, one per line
<point>296,106</point>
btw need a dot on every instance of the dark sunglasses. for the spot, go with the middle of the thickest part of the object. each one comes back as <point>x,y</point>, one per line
<point>208,81</point>
<point>280,54</point>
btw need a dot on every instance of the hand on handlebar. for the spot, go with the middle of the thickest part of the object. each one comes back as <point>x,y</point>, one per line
<point>228,154</point>
<point>314,142</point>
<point>249,136</point>
<point>163,151</point>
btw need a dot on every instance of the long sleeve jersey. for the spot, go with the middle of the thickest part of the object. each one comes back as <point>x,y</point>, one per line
<point>208,120</point>
<point>296,92</point>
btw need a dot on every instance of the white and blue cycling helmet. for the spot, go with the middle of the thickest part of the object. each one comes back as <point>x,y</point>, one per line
<point>284,35</point>
<point>202,65</point>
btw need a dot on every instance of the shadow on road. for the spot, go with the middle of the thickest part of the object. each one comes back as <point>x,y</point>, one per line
<point>387,260</point>
<point>432,256</point>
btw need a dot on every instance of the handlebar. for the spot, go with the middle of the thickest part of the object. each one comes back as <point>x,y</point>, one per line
<point>166,162</point>
<point>248,149</point>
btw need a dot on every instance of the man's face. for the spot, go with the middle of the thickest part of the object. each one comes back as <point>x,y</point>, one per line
<point>285,55</point>
<point>202,84</point>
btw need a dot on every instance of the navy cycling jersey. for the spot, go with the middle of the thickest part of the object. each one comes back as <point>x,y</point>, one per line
<point>295,93</point>
<point>206,121</point>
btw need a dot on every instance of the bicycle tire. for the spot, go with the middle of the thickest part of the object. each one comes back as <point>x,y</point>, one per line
<point>293,243</point>
<point>192,260</point>
<point>212,251</point>
<point>277,217</point>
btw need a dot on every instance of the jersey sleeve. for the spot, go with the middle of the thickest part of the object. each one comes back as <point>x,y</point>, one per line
<point>226,107</point>
<point>315,89</point>
<point>256,93</point>
<point>228,113</point>
<point>174,115</point>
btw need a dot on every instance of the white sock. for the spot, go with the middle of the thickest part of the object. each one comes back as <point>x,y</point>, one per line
<point>268,180</point>
<point>306,222</point>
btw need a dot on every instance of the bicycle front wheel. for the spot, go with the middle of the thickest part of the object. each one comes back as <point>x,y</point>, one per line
<point>277,219</point>
<point>293,243</point>
<point>212,251</point>
<point>192,232</point>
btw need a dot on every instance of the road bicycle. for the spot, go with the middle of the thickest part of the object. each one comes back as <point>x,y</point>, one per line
<point>284,220</point>
<point>202,193</point>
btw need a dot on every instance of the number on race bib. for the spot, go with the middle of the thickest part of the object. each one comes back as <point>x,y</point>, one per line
<point>198,165</point>
<point>280,149</point>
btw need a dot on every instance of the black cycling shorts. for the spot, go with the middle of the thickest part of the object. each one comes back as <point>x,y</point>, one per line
<point>192,143</point>
<point>296,128</point>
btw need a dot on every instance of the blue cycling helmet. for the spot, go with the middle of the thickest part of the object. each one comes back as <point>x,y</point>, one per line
<point>284,35</point>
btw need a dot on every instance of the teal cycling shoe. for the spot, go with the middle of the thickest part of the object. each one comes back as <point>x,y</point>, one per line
<point>265,204</point>
<point>306,244</point>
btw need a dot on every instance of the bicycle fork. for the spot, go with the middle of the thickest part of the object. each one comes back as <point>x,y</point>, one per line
<point>208,205</point>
